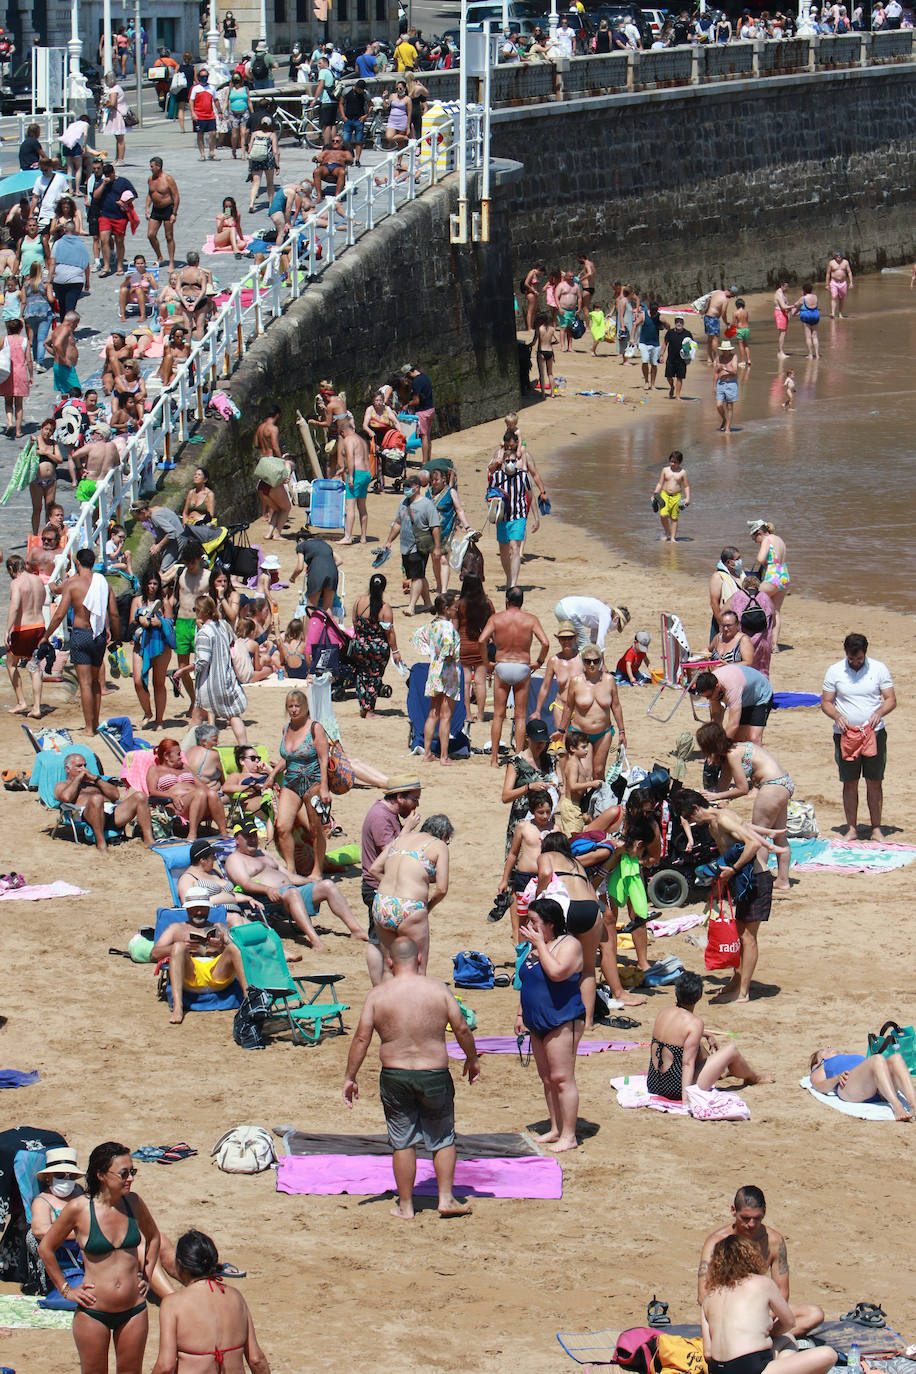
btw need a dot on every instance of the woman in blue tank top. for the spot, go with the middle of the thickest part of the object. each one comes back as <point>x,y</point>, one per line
<point>856,1079</point>
<point>552,1010</point>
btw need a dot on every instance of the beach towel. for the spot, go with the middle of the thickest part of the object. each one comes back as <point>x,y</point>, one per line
<point>121,727</point>
<point>531,1177</point>
<point>488,1145</point>
<point>785,701</point>
<point>865,1111</point>
<point>210,248</point>
<point>848,856</point>
<point>18,1078</point>
<point>135,768</point>
<point>705,1106</point>
<point>40,891</point>
<point>18,1313</point>
<point>674,926</point>
<point>96,603</point>
<point>508,1044</point>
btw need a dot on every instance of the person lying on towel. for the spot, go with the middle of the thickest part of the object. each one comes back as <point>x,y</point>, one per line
<point>856,1079</point>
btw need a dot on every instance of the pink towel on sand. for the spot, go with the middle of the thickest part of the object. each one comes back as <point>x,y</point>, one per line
<point>209,248</point>
<point>35,892</point>
<point>531,1176</point>
<point>508,1044</point>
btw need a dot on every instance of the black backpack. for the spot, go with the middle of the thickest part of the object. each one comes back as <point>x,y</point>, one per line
<point>754,618</point>
<point>259,67</point>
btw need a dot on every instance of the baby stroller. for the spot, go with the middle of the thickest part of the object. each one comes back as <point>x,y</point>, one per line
<point>392,459</point>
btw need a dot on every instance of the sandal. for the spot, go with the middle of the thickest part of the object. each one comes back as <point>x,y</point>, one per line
<point>622,1022</point>
<point>657,1313</point>
<point>231,1271</point>
<point>866,1314</point>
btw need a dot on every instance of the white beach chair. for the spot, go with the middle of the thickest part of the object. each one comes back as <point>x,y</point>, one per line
<point>678,668</point>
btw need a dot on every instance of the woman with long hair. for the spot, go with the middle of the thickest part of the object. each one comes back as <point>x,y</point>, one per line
<point>110,1222</point>
<point>583,916</point>
<point>744,766</point>
<point>532,769</point>
<point>413,873</point>
<point>374,640</point>
<point>474,609</point>
<point>200,502</point>
<point>439,640</point>
<point>152,646</point>
<point>229,231</point>
<point>217,689</point>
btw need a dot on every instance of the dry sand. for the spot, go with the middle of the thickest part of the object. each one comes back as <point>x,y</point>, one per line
<point>334,1282</point>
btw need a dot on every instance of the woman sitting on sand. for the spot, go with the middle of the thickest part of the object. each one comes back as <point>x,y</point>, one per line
<point>551,1009</point>
<point>207,1326</point>
<point>853,1078</point>
<point>744,1312</point>
<point>413,874</point>
<point>677,1058</point>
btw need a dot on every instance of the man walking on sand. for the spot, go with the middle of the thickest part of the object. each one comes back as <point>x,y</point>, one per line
<point>839,283</point>
<point>858,693</point>
<point>95,617</point>
<point>569,305</point>
<point>410,1013</point>
<point>353,468</point>
<point>512,631</point>
<point>25,627</point>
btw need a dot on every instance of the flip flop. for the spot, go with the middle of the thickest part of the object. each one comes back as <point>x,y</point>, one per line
<point>866,1314</point>
<point>622,1022</point>
<point>173,1153</point>
<point>231,1271</point>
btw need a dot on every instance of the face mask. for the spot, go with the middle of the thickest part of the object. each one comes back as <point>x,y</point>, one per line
<point>511,466</point>
<point>63,1187</point>
<point>738,569</point>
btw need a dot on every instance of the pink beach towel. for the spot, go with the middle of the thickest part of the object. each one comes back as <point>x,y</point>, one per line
<point>531,1176</point>
<point>508,1044</point>
<point>135,767</point>
<point>35,892</point>
<point>704,1106</point>
<point>209,246</point>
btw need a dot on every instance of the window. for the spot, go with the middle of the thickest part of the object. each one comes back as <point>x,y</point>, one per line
<point>279,11</point>
<point>381,11</point>
<point>362,11</point>
<point>342,11</point>
<point>303,11</point>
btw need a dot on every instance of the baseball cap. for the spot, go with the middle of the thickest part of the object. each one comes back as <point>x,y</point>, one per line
<point>643,638</point>
<point>247,828</point>
<point>200,849</point>
<point>536,729</point>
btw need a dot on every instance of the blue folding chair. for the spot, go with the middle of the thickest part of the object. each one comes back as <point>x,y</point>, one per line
<point>459,745</point>
<point>47,771</point>
<point>546,715</point>
<point>328,504</point>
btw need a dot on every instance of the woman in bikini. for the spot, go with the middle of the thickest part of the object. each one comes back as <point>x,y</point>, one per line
<point>200,502</point>
<point>304,793</point>
<point>746,766</point>
<point>772,569</point>
<point>206,1328</point>
<point>43,490</point>
<point>413,878</point>
<point>551,1009</point>
<point>194,800</point>
<point>229,231</point>
<point>110,1223</point>
<point>583,917</point>
<point>683,1055</point>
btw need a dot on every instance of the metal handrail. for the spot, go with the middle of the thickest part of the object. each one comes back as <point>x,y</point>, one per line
<point>217,354</point>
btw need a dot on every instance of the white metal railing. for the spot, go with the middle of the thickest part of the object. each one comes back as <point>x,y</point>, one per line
<point>378,192</point>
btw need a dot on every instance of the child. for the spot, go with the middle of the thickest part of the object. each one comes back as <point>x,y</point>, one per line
<point>118,557</point>
<point>671,491</point>
<point>545,337</point>
<point>599,327</point>
<point>522,860</point>
<point>790,390</point>
<point>630,665</point>
<point>18,383</point>
<point>742,333</point>
<point>578,783</point>
<point>12,303</point>
<point>245,643</point>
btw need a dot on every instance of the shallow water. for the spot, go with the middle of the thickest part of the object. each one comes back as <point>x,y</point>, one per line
<point>833,475</point>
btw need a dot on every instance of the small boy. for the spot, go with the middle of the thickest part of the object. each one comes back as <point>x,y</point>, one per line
<point>576,770</point>
<point>522,859</point>
<point>672,490</point>
<point>598,324</point>
<point>118,557</point>
<point>545,336</point>
<point>742,333</point>
<point>790,390</point>
<point>629,667</point>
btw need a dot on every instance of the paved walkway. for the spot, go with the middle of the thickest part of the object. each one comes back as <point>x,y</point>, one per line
<point>203,186</point>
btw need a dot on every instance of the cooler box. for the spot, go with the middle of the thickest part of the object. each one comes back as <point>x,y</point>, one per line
<point>328,504</point>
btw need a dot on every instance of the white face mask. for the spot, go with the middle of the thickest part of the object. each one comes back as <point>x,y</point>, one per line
<point>63,1187</point>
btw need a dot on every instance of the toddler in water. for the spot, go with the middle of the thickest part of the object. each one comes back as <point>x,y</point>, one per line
<point>742,333</point>
<point>790,389</point>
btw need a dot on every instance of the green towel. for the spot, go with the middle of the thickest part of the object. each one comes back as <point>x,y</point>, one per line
<point>25,471</point>
<point>626,884</point>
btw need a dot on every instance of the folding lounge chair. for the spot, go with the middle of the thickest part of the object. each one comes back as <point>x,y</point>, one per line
<point>47,771</point>
<point>459,746</point>
<point>235,811</point>
<point>265,967</point>
<point>549,717</point>
<point>679,669</point>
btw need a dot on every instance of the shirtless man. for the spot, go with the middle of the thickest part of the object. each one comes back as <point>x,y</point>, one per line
<point>748,1211</point>
<point>62,346</point>
<point>95,615</point>
<point>590,702</point>
<point>781,313</point>
<point>838,282</point>
<point>410,1013</point>
<point>353,467</point>
<point>191,583</point>
<point>41,560</point>
<point>331,166</point>
<point>586,283</point>
<point>100,456</point>
<point>100,801</point>
<point>561,668</point>
<point>715,320</point>
<point>522,859</point>
<point>260,875</point>
<point>569,305</point>
<point>201,956</point>
<point>512,631</point>
<point>700,1062</point>
<point>673,491</point>
<point>162,201</point>
<point>25,627</point>
<point>194,283</point>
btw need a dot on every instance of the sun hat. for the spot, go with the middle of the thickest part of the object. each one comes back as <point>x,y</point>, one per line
<point>726,346</point>
<point>196,896</point>
<point>402,782</point>
<point>643,638</point>
<point>755,526</point>
<point>566,629</point>
<point>61,1160</point>
<point>271,563</point>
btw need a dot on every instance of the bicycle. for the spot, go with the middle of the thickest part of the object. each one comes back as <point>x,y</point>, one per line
<point>302,128</point>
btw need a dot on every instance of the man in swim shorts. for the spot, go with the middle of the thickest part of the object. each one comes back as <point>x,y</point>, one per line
<point>410,1012</point>
<point>512,631</point>
<point>162,201</point>
<point>201,956</point>
<point>590,703</point>
<point>100,803</point>
<point>715,320</point>
<point>569,304</point>
<point>421,404</point>
<point>25,627</point>
<point>353,466</point>
<point>858,694</point>
<point>61,345</point>
<point>95,618</point>
<point>748,1212</point>
<point>839,283</point>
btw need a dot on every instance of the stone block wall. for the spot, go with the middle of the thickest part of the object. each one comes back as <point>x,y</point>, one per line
<point>678,190</point>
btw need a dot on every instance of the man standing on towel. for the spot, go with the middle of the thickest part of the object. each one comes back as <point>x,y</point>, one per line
<point>410,1013</point>
<point>512,631</point>
<point>748,1211</point>
<point>858,693</point>
<point>95,617</point>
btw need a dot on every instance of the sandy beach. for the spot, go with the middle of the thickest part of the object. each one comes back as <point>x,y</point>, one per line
<point>334,1282</point>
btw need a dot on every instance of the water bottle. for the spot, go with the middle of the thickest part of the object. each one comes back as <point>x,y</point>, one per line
<point>853,1360</point>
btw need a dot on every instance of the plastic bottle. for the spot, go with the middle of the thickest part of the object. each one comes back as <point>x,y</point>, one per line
<point>853,1360</point>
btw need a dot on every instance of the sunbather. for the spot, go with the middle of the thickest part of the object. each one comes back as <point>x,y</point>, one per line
<point>101,803</point>
<point>677,1059</point>
<point>170,777</point>
<point>201,956</point>
<point>856,1079</point>
<point>202,872</point>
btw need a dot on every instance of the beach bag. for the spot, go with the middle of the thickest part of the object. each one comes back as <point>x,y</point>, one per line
<point>681,1352</point>
<point>754,618</point>
<point>894,1039</point>
<point>723,948</point>
<point>630,351</point>
<point>801,822</point>
<point>701,303</point>
<point>472,969</point>
<point>340,770</point>
<point>327,655</point>
<point>6,362</point>
<point>178,83</point>
<point>244,1150</point>
<point>472,562</point>
<point>496,506</point>
<point>239,558</point>
<point>271,470</point>
<point>130,118</point>
<point>636,1349</point>
<point>54,738</point>
<point>577,328</point>
<point>249,1019</point>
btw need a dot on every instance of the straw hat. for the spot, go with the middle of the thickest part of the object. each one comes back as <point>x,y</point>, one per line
<point>402,783</point>
<point>726,346</point>
<point>566,630</point>
<point>61,1161</point>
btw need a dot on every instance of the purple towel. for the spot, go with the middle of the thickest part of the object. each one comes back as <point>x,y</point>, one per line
<point>533,1176</point>
<point>508,1044</point>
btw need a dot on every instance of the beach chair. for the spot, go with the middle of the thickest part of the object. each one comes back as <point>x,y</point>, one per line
<point>459,746</point>
<point>227,999</point>
<point>678,668</point>
<point>135,766</point>
<point>407,424</point>
<point>548,716</point>
<point>265,967</point>
<point>47,772</point>
<point>235,810</point>
<point>328,504</point>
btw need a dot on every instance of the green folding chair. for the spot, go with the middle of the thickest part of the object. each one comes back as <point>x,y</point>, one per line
<point>265,967</point>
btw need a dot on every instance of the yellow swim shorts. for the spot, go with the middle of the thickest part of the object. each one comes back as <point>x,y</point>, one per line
<point>199,977</point>
<point>671,504</point>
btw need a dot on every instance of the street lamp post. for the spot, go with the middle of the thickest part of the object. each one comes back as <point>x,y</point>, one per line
<point>264,22</point>
<point>212,38</point>
<point>106,38</point>
<point>75,48</point>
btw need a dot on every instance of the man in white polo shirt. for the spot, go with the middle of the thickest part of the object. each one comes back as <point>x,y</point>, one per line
<point>858,693</point>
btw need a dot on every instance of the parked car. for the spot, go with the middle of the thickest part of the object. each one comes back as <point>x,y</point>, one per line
<point>656,20</point>
<point>616,15</point>
<point>16,88</point>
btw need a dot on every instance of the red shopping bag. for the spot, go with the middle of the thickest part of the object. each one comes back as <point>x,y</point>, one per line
<point>723,948</point>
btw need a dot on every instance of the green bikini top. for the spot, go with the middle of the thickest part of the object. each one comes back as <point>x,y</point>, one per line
<point>97,1243</point>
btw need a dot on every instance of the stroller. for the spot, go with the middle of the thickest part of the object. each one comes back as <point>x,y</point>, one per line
<point>392,459</point>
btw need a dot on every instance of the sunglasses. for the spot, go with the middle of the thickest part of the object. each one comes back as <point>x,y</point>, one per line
<point>591,662</point>
<point>124,1174</point>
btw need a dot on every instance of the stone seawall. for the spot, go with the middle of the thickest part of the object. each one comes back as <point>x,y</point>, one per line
<point>403,294</point>
<point>676,190</point>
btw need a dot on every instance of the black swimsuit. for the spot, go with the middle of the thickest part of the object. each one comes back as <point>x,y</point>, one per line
<point>670,1083</point>
<point>583,911</point>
